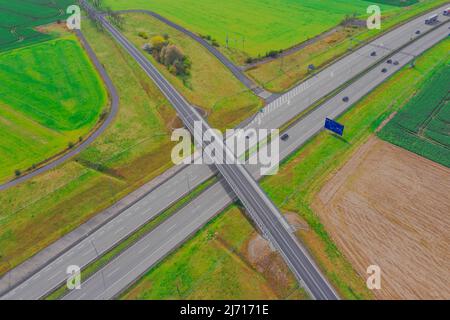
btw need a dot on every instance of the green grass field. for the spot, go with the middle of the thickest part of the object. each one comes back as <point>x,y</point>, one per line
<point>423,125</point>
<point>254,26</point>
<point>203,268</point>
<point>51,95</point>
<point>18,18</point>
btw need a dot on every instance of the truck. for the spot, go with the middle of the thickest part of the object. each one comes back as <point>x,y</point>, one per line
<point>447,12</point>
<point>431,19</point>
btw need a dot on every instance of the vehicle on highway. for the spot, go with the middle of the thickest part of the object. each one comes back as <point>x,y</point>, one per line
<point>345,99</point>
<point>396,63</point>
<point>446,12</point>
<point>431,19</point>
<point>384,70</point>
<point>418,32</point>
<point>373,53</point>
<point>389,61</point>
<point>285,137</point>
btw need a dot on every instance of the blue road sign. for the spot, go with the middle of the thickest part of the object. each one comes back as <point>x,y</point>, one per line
<point>334,126</point>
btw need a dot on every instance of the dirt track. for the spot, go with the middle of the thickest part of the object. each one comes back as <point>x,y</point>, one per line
<point>391,208</point>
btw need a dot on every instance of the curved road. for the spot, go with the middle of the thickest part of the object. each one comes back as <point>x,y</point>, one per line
<point>114,108</point>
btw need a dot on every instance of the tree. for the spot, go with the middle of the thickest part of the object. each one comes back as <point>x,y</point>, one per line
<point>157,42</point>
<point>172,54</point>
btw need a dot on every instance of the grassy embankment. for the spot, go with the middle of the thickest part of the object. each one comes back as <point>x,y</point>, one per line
<point>210,86</point>
<point>281,74</point>
<point>19,18</point>
<point>202,268</point>
<point>51,97</point>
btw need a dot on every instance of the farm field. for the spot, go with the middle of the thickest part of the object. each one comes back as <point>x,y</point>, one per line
<point>280,74</point>
<point>19,18</point>
<point>225,260</point>
<point>51,95</point>
<point>134,149</point>
<point>389,207</point>
<point>210,86</point>
<point>253,27</point>
<point>423,125</point>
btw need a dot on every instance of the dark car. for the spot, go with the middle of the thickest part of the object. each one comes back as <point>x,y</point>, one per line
<point>345,99</point>
<point>418,32</point>
<point>373,53</point>
<point>389,61</point>
<point>396,63</point>
<point>384,70</point>
<point>284,137</point>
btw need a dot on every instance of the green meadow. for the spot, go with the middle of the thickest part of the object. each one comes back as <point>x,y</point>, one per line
<point>254,26</point>
<point>50,96</point>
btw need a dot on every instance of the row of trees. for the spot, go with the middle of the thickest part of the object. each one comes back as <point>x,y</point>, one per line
<point>169,55</point>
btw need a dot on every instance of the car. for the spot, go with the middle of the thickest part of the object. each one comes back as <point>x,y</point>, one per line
<point>418,32</point>
<point>389,61</point>
<point>284,137</point>
<point>345,99</point>
<point>396,63</point>
<point>373,53</point>
<point>384,70</point>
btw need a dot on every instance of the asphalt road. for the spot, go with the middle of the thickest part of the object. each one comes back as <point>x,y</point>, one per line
<point>152,248</point>
<point>113,232</point>
<point>90,139</point>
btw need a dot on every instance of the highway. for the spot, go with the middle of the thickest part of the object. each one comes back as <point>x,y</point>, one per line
<point>136,260</point>
<point>258,205</point>
<point>54,273</point>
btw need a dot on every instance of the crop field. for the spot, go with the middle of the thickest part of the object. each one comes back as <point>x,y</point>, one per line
<point>389,207</point>
<point>19,17</point>
<point>254,26</point>
<point>423,125</point>
<point>50,96</point>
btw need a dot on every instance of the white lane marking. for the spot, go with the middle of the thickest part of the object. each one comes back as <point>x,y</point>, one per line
<point>171,228</point>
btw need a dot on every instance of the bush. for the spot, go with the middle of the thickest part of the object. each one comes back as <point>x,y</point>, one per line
<point>17,172</point>
<point>143,35</point>
<point>158,42</point>
<point>272,54</point>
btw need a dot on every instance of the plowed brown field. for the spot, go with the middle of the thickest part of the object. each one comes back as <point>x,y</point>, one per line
<point>391,208</point>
